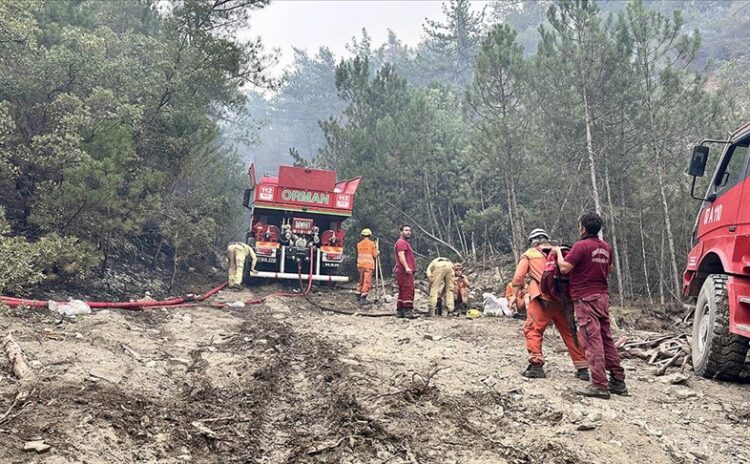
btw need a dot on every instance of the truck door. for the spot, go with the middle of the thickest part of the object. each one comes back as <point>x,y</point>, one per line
<point>743,215</point>
<point>721,216</point>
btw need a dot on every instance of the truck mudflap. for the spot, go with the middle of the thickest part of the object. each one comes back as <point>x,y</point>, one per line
<point>738,293</point>
<point>295,276</point>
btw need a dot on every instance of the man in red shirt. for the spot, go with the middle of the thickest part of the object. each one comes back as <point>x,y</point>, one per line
<point>588,264</point>
<point>405,268</point>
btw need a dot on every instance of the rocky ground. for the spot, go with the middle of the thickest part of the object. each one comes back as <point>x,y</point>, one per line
<point>286,382</point>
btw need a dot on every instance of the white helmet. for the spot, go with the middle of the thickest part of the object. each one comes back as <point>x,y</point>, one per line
<point>537,234</point>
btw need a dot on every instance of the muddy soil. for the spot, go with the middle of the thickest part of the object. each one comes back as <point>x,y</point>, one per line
<point>284,382</point>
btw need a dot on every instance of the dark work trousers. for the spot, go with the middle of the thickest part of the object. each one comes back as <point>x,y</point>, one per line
<point>405,283</point>
<point>592,318</point>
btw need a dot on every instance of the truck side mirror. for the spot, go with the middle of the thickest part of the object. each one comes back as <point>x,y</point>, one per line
<point>698,161</point>
<point>246,195</point>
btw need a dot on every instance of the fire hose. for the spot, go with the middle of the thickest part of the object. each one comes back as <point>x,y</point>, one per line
<point>185,301</point>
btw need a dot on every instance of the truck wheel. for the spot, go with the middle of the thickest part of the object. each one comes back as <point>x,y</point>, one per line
<point>717,353</point>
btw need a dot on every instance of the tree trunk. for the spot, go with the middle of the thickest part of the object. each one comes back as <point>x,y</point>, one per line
<point>662,296</point>
<point>668,226</point>
<point>613,229</point>
<point>645,68</point>
<point>645,262</point>
<point>516,225</point>
<point>175,260</point>
<point>590,150</point>
<point>626,249</point>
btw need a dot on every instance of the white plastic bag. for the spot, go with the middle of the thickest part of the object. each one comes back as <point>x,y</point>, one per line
<point>496,306</point>
<point>70,308</point>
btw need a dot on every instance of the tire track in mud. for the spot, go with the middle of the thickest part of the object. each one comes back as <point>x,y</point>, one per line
<point>310,413</point>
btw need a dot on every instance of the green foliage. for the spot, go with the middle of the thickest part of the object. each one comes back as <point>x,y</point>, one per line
<point>108,124</point>
<point>51,257</point>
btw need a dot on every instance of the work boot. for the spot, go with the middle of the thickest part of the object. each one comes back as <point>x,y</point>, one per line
<point>583,374</point>
<point>618,387</point>
<point>409,314</point>
<point>431,312</point>
<point>593,392</point>
<point>534,371</point>
<point>400,313</point>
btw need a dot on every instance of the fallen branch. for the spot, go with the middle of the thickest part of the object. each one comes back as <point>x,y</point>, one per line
<point>21,369</point>
<point>661,351</point>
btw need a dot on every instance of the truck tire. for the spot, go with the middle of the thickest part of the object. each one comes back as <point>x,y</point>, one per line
<point>717,353</point>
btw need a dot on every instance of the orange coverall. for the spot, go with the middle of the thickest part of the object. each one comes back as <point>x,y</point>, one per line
<point>541,311</point>
<point>367,251</point>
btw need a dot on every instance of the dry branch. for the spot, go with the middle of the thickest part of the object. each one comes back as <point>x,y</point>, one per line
<point>21,369</point>
<point>662,351</point>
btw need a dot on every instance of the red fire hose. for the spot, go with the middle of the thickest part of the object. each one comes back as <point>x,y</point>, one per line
<point>12,302</point>
<point>172,302</point>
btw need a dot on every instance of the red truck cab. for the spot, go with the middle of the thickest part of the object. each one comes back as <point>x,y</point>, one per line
<point>717,274</point>
<point>296,222</point>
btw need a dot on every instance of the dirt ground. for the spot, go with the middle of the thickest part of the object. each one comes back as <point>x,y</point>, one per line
<point>284,382</point>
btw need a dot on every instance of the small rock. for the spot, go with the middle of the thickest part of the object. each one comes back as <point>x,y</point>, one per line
<point>278,316</point>
<point>675,379</point>
<point>79,335</point>
<point>684,393</point>
<point>586,426</point>
<point>699,455</point>
<point>183,361</point>
<point>36,445</point>
<point>151,364</point>
<point>576,416</point>
<point>349,362</point>
<point>594,416</point>
<point>432,337</point>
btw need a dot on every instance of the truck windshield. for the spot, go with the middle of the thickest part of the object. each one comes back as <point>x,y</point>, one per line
<point>733,167</point>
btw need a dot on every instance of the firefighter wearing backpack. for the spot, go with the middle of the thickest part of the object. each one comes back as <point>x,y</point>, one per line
<point>542,309</point>
<point>367,252</point>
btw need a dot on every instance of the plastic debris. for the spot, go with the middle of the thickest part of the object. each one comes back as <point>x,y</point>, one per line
<point>70,308</point>
<point>494,306</point>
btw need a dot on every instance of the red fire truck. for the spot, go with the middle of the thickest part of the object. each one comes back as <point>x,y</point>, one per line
<point>296,222</point>
<point>718,266</point>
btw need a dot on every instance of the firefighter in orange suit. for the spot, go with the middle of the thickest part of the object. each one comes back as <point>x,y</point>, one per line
<point>460,288</point>
<point>542,311</point>
<point>367,251</point>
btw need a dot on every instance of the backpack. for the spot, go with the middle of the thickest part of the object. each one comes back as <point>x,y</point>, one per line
<point>553,283</point>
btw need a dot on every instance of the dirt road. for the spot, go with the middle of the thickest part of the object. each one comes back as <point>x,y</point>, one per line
<point>284,382</point>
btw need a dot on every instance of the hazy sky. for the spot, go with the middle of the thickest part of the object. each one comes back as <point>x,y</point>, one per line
<point>309,24</point>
